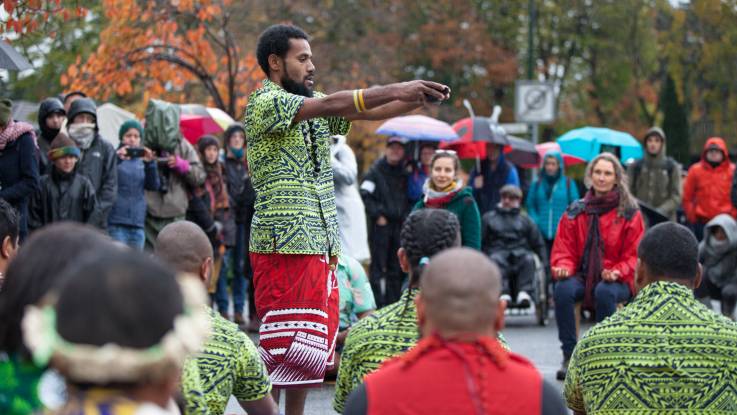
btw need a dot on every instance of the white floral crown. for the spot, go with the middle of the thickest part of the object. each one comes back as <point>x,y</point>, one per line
<point>113,363</point>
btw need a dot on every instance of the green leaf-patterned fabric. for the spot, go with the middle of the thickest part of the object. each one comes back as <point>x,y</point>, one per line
<point>292,176</point>
<point>663,353</point>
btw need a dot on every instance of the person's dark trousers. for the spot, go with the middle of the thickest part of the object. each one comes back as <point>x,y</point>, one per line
<point>518,272</point>
<point>232,260</point>
<point>727,295</point>
<point>570,291</point>
<point>385,267</point>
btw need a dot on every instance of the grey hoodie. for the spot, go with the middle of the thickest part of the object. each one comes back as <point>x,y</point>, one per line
<point>720,262</point>
<point>652,182</point>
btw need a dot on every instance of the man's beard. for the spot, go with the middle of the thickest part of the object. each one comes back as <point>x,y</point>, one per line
<point>296,88</point>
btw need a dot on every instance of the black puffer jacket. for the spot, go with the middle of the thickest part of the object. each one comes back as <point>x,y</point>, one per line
<point>64,197</point>
<point>241,193</point>
<point>45,134</point>
<point>384,191</point>
<point>511,230</point>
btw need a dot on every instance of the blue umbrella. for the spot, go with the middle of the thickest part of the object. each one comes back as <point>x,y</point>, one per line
<point>588,142</point>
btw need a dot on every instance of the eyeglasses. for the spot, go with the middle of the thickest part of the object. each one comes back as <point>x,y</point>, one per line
<point>443,151</point>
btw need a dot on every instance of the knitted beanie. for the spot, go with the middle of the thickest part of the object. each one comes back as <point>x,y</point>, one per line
<point>127,126</point>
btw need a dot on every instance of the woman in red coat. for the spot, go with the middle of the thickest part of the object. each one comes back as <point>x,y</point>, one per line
<point>595,250</point>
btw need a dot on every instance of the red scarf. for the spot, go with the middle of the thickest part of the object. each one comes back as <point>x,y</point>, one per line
<point>14,130</point>
<point>593,251</point>
<point>215,186</point>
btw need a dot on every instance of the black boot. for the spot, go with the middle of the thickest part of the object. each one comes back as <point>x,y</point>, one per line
<point>563,371</point>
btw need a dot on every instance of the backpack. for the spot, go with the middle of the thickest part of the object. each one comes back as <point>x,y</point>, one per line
<point>670,165</point>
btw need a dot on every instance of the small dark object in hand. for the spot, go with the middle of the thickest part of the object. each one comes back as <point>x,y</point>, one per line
<point>135,152</point>
<point>435,100</point>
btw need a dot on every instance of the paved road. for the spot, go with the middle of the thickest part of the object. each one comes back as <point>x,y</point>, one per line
<point>540,344</point>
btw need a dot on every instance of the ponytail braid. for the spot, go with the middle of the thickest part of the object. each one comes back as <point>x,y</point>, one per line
<point>425,233</point>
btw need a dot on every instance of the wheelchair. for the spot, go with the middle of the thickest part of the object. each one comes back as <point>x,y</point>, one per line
<point>541,303</point>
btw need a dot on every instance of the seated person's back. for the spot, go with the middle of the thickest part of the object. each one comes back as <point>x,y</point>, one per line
<point>230,364</point>
<point>665,350</point>
<point>459,366</point>
<point>393,329</point>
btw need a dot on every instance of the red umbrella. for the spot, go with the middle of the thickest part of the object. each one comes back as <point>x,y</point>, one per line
<point>568,159</point>
<point>194,126</point>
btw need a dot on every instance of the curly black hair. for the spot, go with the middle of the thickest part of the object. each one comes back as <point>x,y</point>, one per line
<point>9,222</point>
<point>275,41</point>
<point>425,233</point>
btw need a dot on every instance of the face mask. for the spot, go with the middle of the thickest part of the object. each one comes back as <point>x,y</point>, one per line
<point>82,134</point>
<point>720,247</point>
<point>237,152</point>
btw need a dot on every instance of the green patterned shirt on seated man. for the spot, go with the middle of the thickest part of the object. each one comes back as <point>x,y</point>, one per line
<point>663,353</point>
<point>387,333</point>
<point>229,364</point>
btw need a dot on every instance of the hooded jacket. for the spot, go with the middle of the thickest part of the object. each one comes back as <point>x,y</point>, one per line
<point>64,197</point>
<point>384,192</point>
<point>706,191</point>
<point>656,179</point>
<point>549,197</point>
<point>45,134</point>
<point>620,236</point>
<point>720,262</point>
<point>99,162</point>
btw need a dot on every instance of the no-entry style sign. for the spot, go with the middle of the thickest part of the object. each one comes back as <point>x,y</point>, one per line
<point>534,102</point>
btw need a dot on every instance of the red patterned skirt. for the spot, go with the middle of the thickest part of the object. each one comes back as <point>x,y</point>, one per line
<point>297,302</point>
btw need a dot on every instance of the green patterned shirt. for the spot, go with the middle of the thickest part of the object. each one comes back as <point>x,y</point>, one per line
<point>388,332</point>
<point>19,386</point>
<point>230,364</point>
<point>663,353</point>
<point>292,175</point>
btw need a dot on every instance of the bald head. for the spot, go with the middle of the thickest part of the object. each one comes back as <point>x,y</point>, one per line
<point>184,246</point>
<point>459,292</point>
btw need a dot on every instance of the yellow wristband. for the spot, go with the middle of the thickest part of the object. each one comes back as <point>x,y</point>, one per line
<point>360,100</point>
<point>355,101</point>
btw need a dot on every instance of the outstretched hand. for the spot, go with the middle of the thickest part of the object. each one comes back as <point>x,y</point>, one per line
<point>423,91</point>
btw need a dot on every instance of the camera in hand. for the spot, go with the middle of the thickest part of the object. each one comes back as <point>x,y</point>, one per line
<point>433,99</point>
<point>135,152</point>
<point>163,170</point>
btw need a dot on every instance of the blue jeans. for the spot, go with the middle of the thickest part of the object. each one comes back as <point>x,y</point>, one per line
<point>570,291</point>
<point>129,235</point>
<point>233,259</point>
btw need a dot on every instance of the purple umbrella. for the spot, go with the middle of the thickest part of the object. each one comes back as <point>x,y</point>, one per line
<point>418,128</point>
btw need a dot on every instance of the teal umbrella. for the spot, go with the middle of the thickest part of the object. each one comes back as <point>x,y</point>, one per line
<point>588,142</point>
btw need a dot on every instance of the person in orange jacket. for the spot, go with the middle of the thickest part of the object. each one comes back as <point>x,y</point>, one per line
<point>706,191</point>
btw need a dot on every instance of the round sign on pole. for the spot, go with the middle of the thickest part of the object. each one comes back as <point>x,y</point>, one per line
<point>534,102</point>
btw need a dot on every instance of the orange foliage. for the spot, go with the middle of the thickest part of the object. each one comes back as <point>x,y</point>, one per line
<point>166,51</point>
<point>26,16</point>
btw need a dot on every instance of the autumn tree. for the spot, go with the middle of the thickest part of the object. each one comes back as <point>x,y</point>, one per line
<point>27,16</point>
<point>178,50</point>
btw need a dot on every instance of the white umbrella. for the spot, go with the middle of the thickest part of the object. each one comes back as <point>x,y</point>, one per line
<point>109,118</point>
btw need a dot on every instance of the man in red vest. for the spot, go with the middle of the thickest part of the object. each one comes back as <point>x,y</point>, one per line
<point>458,367</point>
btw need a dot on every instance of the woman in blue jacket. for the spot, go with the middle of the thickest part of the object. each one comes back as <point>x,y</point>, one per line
<point>136,172</point>
<point>550,195</point>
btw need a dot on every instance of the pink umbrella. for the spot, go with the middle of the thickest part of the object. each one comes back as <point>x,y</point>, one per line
<point>194,126</point>
<point>568,159</point>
